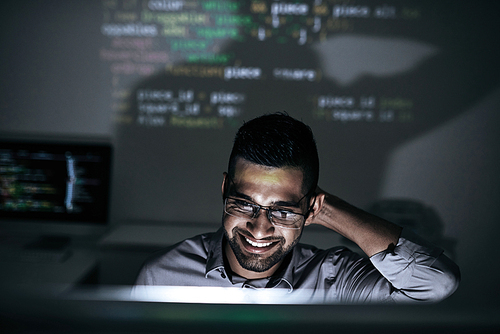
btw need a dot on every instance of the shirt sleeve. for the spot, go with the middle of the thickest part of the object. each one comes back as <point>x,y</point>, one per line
<point>417,270</point>
<point>145,276</point>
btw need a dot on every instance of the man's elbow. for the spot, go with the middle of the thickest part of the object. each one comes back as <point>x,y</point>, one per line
<point>434,284</point>
<point>446,282</point>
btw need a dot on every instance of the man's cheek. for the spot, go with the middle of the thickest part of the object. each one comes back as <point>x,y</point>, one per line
<point>228,223</point>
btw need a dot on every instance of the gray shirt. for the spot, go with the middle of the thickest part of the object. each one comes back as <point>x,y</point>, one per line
<point>412,271</point>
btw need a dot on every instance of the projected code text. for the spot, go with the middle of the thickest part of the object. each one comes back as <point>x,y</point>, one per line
<point>189,39</point>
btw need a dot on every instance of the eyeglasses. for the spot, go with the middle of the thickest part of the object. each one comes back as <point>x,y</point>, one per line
<point>278,216</point>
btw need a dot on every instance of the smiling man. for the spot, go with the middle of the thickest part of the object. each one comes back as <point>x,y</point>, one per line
<point>270,195</point>
<point>256,250</point>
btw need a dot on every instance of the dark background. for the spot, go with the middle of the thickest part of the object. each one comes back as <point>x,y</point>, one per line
<point>444,161</point>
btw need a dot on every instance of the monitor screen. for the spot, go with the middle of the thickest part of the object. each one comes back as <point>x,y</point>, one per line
<point>55,182</point>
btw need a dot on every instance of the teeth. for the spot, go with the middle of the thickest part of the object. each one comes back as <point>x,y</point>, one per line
<point>258,244</point>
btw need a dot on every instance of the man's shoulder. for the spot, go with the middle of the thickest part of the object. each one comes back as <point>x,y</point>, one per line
<point>311,249</point>
<point>181,264</point>
<point>196,247</point>
<point>314,267</point>
<point>306,252</point>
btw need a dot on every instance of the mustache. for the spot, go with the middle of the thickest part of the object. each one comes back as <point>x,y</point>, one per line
<point>245,233</point>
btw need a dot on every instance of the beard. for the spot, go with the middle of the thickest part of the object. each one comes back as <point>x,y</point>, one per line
<point>256,262</point>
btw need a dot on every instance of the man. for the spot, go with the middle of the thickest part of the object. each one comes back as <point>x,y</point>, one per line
<point>270,194</point>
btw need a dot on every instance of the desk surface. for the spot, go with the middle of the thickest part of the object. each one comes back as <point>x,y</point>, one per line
<point>61,275</point>
<point>97,312</point>
<point>75,262</point>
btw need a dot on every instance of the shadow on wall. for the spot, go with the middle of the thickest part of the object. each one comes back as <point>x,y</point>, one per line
<point>421,219</point>
<point>455,167</point>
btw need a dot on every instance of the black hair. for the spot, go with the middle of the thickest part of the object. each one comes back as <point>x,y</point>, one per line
<point>278,140</point>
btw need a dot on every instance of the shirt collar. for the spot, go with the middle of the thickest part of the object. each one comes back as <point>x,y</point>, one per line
<point>215,260</point>
<point>283,278</point>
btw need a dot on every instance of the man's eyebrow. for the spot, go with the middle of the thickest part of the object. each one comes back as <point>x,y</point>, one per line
<point>287,203</point>
<point>278,203</point>
<point>241,195</point>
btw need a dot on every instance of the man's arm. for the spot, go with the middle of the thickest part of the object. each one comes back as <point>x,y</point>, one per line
<point>371,233</point>
<point>416,269</point>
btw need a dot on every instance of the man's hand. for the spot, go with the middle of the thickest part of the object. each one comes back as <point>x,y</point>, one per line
<point>371,233</point>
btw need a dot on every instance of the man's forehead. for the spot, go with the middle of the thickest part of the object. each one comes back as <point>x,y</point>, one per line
<point>246,171</point>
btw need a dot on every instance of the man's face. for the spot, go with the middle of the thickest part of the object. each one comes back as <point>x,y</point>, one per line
<point>255,247</point>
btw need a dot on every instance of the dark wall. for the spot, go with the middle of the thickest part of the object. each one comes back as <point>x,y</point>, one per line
<point>402,106</point>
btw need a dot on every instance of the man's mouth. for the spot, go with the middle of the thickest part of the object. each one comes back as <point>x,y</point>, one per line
<point>256,246</point>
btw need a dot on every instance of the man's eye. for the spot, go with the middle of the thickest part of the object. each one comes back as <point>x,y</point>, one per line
<point>244,205</point>
<point>283,214</point>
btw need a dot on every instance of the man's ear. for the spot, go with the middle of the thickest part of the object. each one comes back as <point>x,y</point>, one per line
<point>224,184</point>
<point>317,204</point>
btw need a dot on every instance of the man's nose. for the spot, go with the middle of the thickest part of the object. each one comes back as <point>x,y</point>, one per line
<point>261,226</point>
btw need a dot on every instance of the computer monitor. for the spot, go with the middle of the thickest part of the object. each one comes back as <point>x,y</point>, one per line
<point>55,182</point>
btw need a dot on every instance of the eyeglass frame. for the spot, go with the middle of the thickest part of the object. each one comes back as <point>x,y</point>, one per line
<point>268,208</point>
